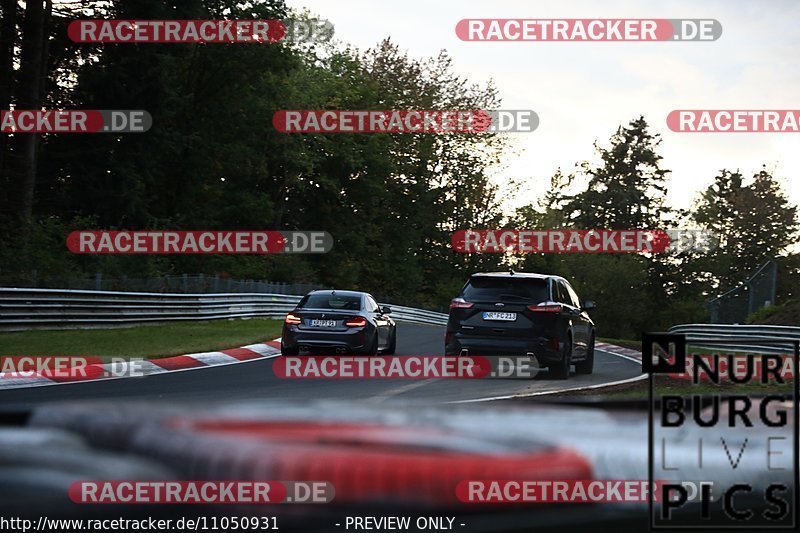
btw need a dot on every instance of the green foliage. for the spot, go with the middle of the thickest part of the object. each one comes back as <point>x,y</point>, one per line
<point>753,219</point>
<point>628,190</point>
<point>212,160</point>
<point>786,314</point>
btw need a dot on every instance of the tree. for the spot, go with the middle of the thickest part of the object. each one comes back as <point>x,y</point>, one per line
<point>8,39</point>
<point>628,189</point>
<point>753,219</point>
<point>213,160</point>
<point>29,96</point>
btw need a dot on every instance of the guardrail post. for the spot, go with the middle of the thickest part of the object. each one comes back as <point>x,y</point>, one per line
<point>773,292</point>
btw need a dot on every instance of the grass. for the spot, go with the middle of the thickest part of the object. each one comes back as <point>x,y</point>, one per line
<point>669,385</point>
<point>625,343</point>
<point>785,314</point>
<point>149,342</point>
<point>666,385</point>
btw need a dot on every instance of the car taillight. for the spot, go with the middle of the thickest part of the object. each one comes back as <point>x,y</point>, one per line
<point>292,320</point>
<point>549,308</point>
<point>356,322</point>
<point>460,303</point>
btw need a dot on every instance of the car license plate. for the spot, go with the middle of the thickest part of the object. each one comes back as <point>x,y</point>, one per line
<point>497,315</point>
<point>318,323</point>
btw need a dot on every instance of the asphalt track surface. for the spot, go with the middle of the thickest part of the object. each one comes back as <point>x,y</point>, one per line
<point>256,380</point>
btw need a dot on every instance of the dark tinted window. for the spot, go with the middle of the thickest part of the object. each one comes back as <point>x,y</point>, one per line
<point>331,301</point>
<point>505,290</point>
<point>562,292</point>
<point>573,296</point>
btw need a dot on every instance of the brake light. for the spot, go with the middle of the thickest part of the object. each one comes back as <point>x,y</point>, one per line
<point>356,322</point>
<point>292,320</point>
<point>460,303</point>
<point>549,308</point>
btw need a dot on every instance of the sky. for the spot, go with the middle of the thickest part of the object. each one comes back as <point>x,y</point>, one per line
<point>582,91</point>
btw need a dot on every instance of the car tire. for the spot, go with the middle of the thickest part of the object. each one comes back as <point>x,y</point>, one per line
<point>290,351</point>
<point>561,369</point>
<point>392,345</point>
<point>587,365</point>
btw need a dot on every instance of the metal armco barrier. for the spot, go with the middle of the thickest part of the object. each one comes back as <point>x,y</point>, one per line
<point>22,309</point>
<point>740,338</point>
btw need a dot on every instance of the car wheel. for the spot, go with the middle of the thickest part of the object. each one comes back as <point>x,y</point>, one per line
<point>289,351</point>
<point>560,370</point>
<point>587,365</point>
<point>393,344</point>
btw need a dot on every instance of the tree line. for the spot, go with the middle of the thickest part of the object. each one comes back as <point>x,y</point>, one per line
<point>212,160</point>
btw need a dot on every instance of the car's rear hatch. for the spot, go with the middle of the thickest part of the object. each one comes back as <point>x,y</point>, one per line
<point>324,319</point>
<point>502,307</point>
<point>328,311</point>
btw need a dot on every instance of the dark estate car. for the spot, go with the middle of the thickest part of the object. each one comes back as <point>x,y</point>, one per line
<point>339,321</point>
<point>510,313</point>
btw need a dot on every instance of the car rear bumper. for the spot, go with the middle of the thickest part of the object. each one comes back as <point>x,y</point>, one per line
<point>351,340</point>
<point>541,347</point>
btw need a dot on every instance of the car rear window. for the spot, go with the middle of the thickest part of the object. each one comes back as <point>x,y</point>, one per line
<point>506,290</point>
<point>331,301</point>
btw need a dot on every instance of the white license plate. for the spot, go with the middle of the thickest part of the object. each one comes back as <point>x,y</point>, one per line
<point>317,323</point>
<point>497,315</point>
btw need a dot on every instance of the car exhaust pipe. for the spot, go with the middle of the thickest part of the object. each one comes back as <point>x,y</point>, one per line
<point>340,350</point>
<point>464,352</point>
<point>530,356</point>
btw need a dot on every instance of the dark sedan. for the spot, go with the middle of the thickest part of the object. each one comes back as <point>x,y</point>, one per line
<point>343,322</point>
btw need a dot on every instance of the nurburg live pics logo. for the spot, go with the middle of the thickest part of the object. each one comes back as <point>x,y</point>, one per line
<point>742,448</point>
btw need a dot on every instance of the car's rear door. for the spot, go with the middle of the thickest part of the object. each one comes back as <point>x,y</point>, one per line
<point>583,316</point>
<point>573,314</point>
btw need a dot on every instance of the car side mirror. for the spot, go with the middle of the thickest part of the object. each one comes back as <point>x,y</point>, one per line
<point>386,310</point>
<point>588,305</point>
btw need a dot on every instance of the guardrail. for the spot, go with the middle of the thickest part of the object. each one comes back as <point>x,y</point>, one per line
<point>740,338</point>
<point>22,309</point>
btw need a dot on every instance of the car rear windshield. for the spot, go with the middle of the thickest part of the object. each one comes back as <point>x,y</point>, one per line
<point>506,290</point>
<point>331,301</point>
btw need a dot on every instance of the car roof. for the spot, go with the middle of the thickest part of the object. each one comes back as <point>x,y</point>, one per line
<point>526,275</point>
<point>339,293</point>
